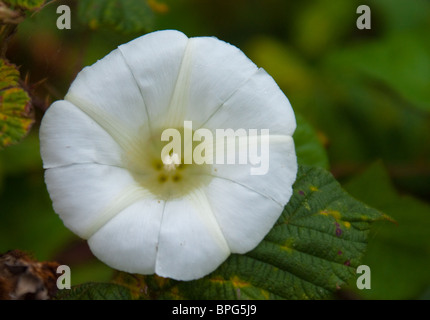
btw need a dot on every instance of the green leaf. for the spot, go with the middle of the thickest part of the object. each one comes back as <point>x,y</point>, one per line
<point>26,4</point>
<point>126,16</point>
<point>309,148</point>
<point>400,62</point>
<point>400,15</point>
<point>311,252</point>
<point>399,257</point>
<point>316,27</point>
<point>15,106</point>
<point>95,291</point>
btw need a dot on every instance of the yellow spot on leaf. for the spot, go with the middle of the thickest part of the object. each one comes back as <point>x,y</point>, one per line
<point>218,280</point>
<point>335,214</point>
<point>135,283</point>
<point>347,224</point>
<point>388,218</point>
<point>239,283</point>
<point>288,245</point>
<point>313,188</point>
<point>265,294</point>
<point>235,281</point>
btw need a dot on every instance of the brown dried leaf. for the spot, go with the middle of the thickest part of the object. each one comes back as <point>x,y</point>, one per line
<point>23,278</point>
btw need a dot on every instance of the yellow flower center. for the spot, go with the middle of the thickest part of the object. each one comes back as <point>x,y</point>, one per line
<point>165,176</point>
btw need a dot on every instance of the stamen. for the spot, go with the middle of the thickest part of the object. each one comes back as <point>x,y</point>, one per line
<point>171,162</point>
<point>165,176</point>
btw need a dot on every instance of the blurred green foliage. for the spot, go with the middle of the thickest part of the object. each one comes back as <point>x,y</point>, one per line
<point>362,95</point>
<point>399,256</point>
<point>121,15</point>
<point>309,149</point>
<point>25,4</point>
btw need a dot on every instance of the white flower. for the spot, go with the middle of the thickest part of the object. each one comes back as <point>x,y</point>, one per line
<point>101,147</point>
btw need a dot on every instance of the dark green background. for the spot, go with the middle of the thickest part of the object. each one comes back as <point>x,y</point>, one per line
<point>364,95</point>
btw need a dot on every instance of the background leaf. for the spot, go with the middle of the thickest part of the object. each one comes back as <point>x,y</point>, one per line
<point>309,149</point>
<point>399,256</point>
<point>128,16</point>
<point>25,4</point>
<point>410,79</point>
<point>312,251</point>
<point>15,106</point>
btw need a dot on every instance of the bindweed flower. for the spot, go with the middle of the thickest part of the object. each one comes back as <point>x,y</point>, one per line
<point>147,209</point>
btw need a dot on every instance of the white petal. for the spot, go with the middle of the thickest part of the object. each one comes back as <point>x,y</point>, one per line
<point>129,241</point>
<point>68,136</point>
<point>277,183</point>
<point>215,71</point>
<point>87,196</point>
<point>258,104</point>
<point>155,60</point>
<point>191,243</point>
<point>244,215</point>
<point>108,93</point>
